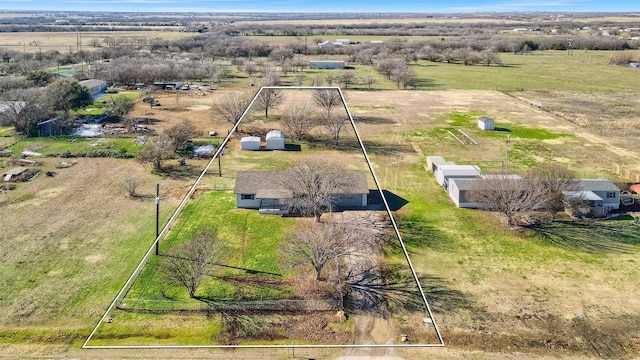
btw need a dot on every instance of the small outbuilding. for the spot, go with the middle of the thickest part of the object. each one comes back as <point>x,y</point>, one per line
<point>446,172</point>
<point>486,123</point>
<point>250,143</point>
<point>275,140</point>
<point>434,161</point>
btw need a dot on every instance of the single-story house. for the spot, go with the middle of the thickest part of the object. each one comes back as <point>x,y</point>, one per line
<point>95,86</point>
<point>275,140</point>
<point>445,172</point>
<point>264,190</point>
<point>250,143</point>
<point>597,197</point>
<point>326,64</point>
<point>486,123</point>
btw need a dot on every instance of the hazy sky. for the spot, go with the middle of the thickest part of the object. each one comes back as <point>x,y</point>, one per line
<point>323,5</point>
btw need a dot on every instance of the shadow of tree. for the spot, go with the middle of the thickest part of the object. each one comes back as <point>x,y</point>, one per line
<point>380,290</point>
<point>418,234</point>
<point>373,120</point>
<point>611,236</point>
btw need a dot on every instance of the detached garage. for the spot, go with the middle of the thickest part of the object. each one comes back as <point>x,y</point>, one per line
<point>275,140</point>
<point>250,143</point>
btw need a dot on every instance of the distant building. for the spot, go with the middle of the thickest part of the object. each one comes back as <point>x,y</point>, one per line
<point>326,64</point>
<point>94,86</point>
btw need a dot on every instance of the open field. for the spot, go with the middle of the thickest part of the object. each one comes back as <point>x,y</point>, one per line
<point>33,42</point>
<point>493,290</point>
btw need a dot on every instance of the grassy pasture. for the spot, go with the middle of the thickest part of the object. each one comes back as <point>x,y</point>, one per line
<point>33,42</point>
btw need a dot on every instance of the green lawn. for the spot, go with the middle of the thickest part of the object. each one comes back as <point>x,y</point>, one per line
<point>75,145</point>
<point>585,71</point>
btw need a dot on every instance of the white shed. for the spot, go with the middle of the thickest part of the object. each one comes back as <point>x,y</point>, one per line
<point>445,172</point>
<point>275,140</point>
<point>486,123</point>
<point>250,143</point>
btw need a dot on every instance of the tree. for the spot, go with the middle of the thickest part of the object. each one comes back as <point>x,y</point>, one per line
<point>298,119</point>
<point>24,109</point>
<point>314,183</point>
<point>130,184</point>
<point>232,106</point>
<point>65,95</point>
<point>327,99</point>
<point>316,244</point>
<point>269,98</point>
<point>191,262</point>
<point>490,56</point>
<point>556,179</point>
<point>508,195</point>
<point>157,152</point>
<point>38,77</point>
<point>181,133</point>
<point>403,75</point>
<point>334,124</point>
<point>119,106</point>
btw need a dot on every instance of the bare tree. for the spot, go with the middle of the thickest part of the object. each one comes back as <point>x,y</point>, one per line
<point>316,244</point>
<point>490,56</point>
<point>334,123</point>
<point>327,99</point>
<point>403,75</point>
<point>231,106</point>
<point>24,109</point>
<point>267,99</point>
<point>190,263</point>
<point>298,119</point>
<point>181,133</point>
<point>508,195</point>
<point>314,183</point>
<point>130,184</point>
<point>556,179</point>
<point>157,152</point>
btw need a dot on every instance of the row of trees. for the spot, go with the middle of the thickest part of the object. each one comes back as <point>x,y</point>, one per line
<point>26,105</point>
<point>298,119</point>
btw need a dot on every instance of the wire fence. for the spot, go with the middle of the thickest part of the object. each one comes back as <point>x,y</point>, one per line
<point>208,306</point>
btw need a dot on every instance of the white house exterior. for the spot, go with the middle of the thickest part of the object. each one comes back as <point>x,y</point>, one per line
<point>486,123</point>
<point>265,191</point>
<point>250,143</point>
<point>598,196</point>
<point>94,86</point>
<point>275,140</point>
<point>446,172</point>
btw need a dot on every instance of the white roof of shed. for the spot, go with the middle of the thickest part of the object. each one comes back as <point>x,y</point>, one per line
<point>275,134</point>
<point>457,170</point>
<point>250,139</point>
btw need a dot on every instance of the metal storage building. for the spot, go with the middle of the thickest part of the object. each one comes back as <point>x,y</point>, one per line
<point>250,143</point>
<point>486,123</point>
<point>275,140</point>
<point>445,172</point>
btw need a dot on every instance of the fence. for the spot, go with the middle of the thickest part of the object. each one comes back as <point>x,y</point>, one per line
<point>620,170</point>
<point>208,306</point>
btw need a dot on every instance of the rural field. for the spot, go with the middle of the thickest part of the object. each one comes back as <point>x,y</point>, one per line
<point>70,241</point>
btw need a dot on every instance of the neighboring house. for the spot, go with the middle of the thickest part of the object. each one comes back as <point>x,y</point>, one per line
<point>597,197</point>
<point>486,123</point>
<point>95,87</point>
<point>457,191</point>
<point>264,190</point>
<point>458,188</point>
<point>274,140</point>
<point>445,172</point>
<point>170,85</point>
<point>326,64</point>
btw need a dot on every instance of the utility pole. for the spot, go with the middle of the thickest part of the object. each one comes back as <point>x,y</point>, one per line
<point>157,218</point>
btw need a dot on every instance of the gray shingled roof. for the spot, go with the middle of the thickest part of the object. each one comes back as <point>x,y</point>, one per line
<point>267,183</point>
<point>597,185</point>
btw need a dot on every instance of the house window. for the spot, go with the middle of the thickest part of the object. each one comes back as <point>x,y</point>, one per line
<point>248,196</point>
<point>611,195</point>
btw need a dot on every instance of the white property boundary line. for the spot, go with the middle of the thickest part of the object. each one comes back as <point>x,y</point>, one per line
<point>184,201</point>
